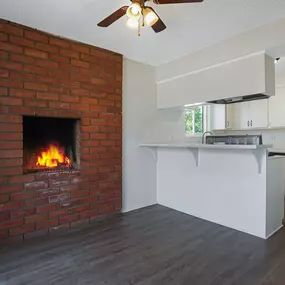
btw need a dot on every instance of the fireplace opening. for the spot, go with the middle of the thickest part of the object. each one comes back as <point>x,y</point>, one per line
<point>50,144</point>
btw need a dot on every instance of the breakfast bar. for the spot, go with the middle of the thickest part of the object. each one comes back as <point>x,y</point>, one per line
<point>237,186</point>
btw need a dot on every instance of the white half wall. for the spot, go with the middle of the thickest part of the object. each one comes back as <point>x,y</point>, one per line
<point>225,188</point>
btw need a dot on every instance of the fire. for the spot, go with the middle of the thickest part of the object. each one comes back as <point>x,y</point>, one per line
<point>52,157</point>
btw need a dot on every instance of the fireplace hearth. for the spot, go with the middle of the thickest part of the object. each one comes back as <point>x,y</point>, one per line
<point>50,144</point>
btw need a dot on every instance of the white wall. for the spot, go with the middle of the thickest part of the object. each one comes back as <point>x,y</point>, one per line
<point>139,169</point>
<point>143,122</point>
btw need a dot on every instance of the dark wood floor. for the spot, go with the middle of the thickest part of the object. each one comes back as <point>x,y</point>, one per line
<point>154,245</point>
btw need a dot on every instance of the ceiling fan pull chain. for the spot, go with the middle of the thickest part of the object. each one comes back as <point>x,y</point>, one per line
<point>139,26</point>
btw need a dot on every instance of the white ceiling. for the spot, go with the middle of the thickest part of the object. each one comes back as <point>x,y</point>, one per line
<point>190,26</point>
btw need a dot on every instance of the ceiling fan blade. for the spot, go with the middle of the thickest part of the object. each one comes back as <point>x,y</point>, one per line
<point>113,17</point>
<point>176,1</point>
<point>159,26</point>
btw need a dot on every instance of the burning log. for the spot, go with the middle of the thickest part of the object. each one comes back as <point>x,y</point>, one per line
<point>49,159</point>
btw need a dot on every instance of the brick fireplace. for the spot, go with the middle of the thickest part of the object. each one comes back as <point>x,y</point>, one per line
<point>48,82</point>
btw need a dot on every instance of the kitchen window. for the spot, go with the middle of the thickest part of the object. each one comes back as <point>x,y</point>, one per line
<point>195,120</point>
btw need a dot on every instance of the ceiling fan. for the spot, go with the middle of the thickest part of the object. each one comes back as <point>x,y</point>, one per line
<point>140,15</point>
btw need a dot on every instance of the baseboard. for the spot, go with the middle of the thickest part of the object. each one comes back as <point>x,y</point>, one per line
<point>137,207</point>
<point>274,232</point>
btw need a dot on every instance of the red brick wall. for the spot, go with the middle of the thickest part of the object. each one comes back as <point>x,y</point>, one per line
<point>44,75</point>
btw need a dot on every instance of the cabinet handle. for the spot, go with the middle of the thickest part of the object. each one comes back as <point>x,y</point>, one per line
<point>251,123</point>
<point>248,123</point>
<point>228,123</point>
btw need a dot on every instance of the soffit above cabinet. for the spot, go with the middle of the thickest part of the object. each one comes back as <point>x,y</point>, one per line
<point>253,74</point>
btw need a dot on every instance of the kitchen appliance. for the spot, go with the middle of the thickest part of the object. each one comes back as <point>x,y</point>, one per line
<point>235,139</point>
<point>240,99</point>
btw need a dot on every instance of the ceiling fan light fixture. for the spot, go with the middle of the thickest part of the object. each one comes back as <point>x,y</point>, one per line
<point>150,17</point>
<point>134,11</point>
<point>142,14</point>
<point>132,23</point>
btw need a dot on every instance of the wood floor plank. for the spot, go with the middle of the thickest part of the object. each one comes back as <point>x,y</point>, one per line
<point>155,245</point>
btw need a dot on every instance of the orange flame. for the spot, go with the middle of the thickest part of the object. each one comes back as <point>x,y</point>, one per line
<point>52,157</point>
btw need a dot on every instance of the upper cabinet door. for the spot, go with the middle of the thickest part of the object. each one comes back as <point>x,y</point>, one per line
<point>277,108</point>
<point>240,115</point>
<point>217,117</point>
<point>229,116</point>
<point>258,116</point>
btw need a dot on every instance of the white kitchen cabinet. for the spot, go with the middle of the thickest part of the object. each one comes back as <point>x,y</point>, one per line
<point>221,117</point>
<point>276,108</point>
<point>253,114</point>
<point>240,115</point>
<point>217,117</point>
<point>258,114</point>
